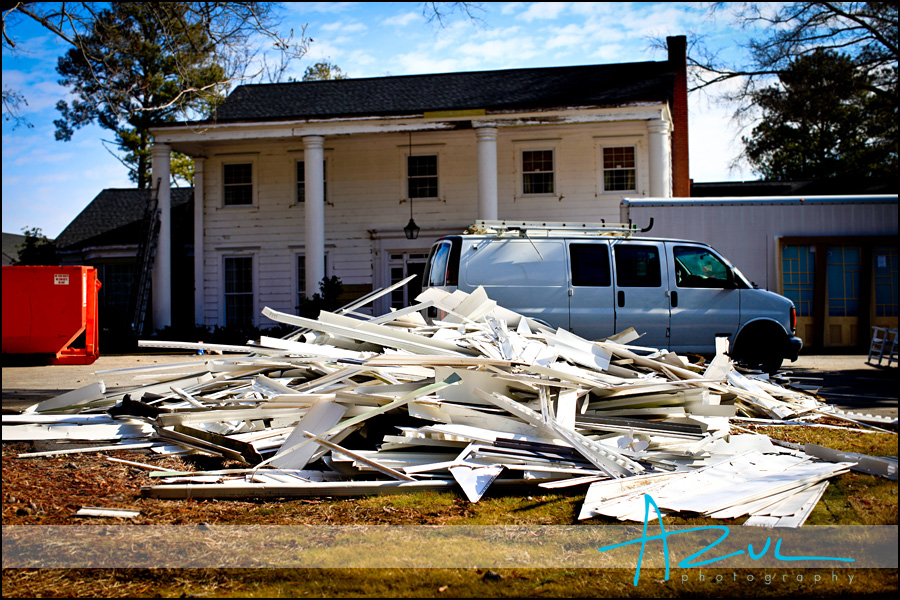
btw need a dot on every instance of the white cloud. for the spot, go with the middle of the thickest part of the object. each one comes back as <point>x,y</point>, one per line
<point>543,11</point>
<point>344,27</point>
<point>416,63</point>
<point>510,51</point>
<point>511,8</point>
<point>301,8</point>
<point>402,20</point>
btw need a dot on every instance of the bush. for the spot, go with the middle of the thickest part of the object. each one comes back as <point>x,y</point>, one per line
<point>330,289</point>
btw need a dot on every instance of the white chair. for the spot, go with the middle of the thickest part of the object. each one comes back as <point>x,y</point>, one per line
<point>876,348</point>
<point>890,351</point>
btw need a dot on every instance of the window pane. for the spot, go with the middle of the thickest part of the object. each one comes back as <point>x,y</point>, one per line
<point>238,275</point>
<point>618,158</point>
<point>637,266</point>
<point>619,172</point>
<point>301,277</point>
<point>842,284</point>
<point>239,291</point>
<point>238,194</point>
<point>238,310</point>
<point>235,174</point>
<point>238,184</point>
<point>590,265</point>
<point>698,268</point>
<point>885,273</point>
<point>537,172</point>
<point>422,176</point>
<point>798,277</point>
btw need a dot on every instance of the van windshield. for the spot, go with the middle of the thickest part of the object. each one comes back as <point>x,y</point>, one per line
<point>437,264</point>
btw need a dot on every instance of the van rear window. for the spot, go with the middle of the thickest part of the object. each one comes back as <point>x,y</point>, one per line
<point>590,265</point>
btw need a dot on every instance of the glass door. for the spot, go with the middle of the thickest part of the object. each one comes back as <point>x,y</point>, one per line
<point>842,298</point>
<point>402,265</point>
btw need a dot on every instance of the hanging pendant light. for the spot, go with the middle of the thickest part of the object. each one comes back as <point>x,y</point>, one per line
<point>411,230</point>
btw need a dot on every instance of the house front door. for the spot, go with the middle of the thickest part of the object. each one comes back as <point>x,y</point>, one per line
<point>400,266</point>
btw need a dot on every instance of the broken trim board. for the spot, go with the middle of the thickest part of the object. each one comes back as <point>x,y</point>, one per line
<point>319,419</point>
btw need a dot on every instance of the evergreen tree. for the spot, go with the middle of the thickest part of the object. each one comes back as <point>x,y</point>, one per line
<point>141,65</point>
<point>823,122</point>
<point>36,249</point>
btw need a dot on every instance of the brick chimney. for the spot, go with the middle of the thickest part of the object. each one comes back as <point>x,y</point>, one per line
<point>681,183</point>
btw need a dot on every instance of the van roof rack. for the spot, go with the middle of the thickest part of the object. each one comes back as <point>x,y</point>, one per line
<point>523,227</point>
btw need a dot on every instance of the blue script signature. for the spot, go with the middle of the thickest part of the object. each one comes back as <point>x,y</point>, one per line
<point>688,562</point>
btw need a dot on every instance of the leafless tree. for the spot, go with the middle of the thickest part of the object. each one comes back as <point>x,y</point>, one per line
<point>245,37</point>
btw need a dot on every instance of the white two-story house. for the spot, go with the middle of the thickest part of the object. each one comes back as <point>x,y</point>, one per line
<point>298,181</point>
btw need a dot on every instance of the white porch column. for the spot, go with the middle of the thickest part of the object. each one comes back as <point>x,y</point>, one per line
<point>487,172</point>
<point>162,266</point>
<point>199,272</point>
<point>660,159</point>
<point>314,172</point>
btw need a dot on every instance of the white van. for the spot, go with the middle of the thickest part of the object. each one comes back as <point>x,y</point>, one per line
<point>596,280</point>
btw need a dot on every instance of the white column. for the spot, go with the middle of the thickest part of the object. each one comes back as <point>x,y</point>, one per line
<point>660,159</point>
<point>199,271</point>
<point>487,172</point>
<point>162,266</point>
<point>314,172</point>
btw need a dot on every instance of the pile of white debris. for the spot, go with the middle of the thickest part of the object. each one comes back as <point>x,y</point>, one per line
<point>353,405</point>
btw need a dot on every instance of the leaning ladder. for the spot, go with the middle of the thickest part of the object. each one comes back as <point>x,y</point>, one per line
<point>145,257</point>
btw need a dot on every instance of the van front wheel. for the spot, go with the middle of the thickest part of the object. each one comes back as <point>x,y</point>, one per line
<point>761,348</point>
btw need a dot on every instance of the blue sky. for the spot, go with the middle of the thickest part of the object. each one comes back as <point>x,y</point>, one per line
<point>46,183</point>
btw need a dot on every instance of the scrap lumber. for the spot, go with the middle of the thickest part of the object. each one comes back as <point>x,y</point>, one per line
<point>481,397</point>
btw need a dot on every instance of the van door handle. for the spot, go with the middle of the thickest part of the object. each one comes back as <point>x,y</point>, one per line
<point>621,299</point>
<point>674,296</point>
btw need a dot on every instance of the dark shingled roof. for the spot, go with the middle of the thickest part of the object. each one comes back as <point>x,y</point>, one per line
<point>494,91</point>
<point>113,217</point>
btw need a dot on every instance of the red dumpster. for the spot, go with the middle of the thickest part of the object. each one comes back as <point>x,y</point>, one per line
<point>47,309</point>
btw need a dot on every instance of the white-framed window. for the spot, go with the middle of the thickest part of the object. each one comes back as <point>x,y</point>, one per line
<point>422,177</point>
<point>538,172</point>
<point>238,183</point>
<point>537,167</point>
<point>618,168</point>
<point>238,293</point>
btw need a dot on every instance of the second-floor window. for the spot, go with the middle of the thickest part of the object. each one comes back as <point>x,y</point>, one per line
<point>537,172</point>
<point>619,169</point>
<point>422,176</point>
<point>237,184</point>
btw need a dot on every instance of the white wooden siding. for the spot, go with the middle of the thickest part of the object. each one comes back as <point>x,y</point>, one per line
<point>365,192</point>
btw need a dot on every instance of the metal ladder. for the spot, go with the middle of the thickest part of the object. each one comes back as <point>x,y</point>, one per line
<point>145,257</point>
<point>566,228</point>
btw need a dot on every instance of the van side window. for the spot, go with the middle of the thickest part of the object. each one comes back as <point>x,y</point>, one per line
<point>590,265</point>
<point>699,268</point>
<point>637,266</point>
